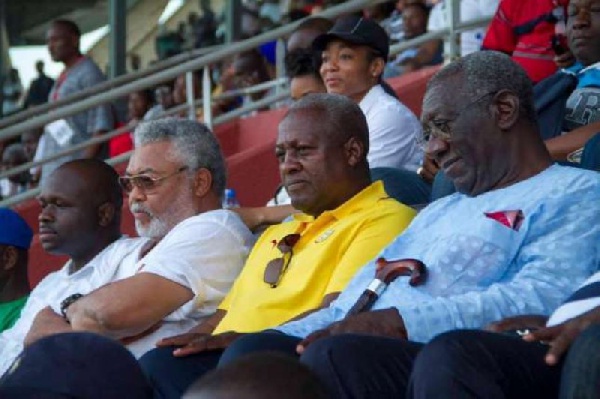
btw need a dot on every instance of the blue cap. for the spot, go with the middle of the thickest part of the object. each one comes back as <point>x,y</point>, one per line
<point>14,229</point>
<point>75,365</point>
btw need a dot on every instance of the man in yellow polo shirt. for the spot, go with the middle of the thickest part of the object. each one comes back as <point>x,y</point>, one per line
<point>302,265</point>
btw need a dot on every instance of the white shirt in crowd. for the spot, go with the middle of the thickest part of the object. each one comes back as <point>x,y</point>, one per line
<point>471,40</point>
<point>204,253</point>
<point>393,132</point>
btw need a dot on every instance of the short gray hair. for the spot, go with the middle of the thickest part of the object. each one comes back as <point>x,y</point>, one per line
<point>194,144</point>
<point>342,117</point>
<point>486,72</point>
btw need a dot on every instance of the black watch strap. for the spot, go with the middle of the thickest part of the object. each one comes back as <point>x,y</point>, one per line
<point>68,301</point>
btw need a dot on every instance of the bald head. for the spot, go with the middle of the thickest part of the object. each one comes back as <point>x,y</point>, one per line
<point>484,72</point>
<point>81,205</point>
<point>96,179</point>
<point>259,376</point>
<point>339,116</point>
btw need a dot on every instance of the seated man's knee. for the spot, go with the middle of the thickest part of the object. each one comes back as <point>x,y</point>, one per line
<point>328,350</point>
<point>156,361</point>
<point>259,342</point>
<point>445,351</point>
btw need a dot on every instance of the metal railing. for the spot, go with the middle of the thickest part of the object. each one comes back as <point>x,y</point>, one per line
<point>187,63</point>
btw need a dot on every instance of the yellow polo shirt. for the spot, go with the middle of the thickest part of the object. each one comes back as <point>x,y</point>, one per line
<point>330,251</point>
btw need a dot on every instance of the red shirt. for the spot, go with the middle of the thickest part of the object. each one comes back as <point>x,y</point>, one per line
<point>532,50</point>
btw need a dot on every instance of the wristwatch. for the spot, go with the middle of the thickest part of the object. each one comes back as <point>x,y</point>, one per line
<point>68,301</point>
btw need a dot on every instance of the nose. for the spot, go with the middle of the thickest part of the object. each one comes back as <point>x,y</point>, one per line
<point>46,215</point>
<point>436,147</point>
<point>328,65</point>
<point>136,195</point>
<point>289,164</point>
<point>581,19</point>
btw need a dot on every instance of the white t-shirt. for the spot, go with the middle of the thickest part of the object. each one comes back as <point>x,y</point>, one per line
<point>471,40</point>
<point>393,132</point>
<point>204,253</point>
<point>57,286</point>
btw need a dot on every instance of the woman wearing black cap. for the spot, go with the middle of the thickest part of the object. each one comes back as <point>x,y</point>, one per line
<point>354,53</point>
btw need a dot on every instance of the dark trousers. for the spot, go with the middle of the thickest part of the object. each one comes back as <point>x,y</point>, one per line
<point>469,364</point>
<point>350,366</point>
<point>581,371</point>
<point>171,376</point>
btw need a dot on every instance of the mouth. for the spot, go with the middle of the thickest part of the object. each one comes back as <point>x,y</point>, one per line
<point>294,185</point>
<point>47,234</point>
<point>580,40</point>
<point>448,165</point>
<point>332,81</point>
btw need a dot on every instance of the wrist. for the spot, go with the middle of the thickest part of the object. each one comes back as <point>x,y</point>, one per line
<point>68,301</point>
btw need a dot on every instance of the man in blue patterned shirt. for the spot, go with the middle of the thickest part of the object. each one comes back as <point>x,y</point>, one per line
<point>519,236</point>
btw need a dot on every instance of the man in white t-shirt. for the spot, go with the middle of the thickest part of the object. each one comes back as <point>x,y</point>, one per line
<point>142,293</point>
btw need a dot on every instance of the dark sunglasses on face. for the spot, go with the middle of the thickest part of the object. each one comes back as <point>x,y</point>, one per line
<point>277,267</point>
<point>145,182</point>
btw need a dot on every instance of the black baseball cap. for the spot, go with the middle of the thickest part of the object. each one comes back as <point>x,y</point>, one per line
<point>356,30</point>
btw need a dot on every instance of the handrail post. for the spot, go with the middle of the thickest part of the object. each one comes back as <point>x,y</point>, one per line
<point>453,21</point>
<point>189,91</point>
<point>206,100</point>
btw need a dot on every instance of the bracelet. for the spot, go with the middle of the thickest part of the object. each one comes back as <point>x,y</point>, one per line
<point>68,301</point>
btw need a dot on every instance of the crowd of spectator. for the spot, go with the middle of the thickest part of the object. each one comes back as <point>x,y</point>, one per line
<point>453,254</point>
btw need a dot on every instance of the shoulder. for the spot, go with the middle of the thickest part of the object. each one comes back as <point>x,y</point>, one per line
<point>216,222</point>
<point>380,106</point>
<point>87,70</point>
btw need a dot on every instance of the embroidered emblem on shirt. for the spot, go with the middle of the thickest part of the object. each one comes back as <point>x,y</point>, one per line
<point>511,219</point>
<point>324,236</point>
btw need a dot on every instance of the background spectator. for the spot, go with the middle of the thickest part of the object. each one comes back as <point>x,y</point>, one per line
<point>524,30</point>
<point>80,73</point>
<point>470,41</point>
<point>12,89</point>
<point>414,24</point>
<point>15,239</point>
<point>40,87</point>
<point>14,156</point>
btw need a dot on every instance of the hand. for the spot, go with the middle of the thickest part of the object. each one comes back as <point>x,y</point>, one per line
<point>384,322</point>
<point>193,343</point>
<point>517,323</point>
<point>46,323</point>
<point>429,169</point>
<point>564,60</point>
<point>560,337</point>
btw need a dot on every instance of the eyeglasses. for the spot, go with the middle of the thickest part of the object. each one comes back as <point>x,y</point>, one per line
<point>440,128</point>
<point>144,181</point>
<point>277,267</point>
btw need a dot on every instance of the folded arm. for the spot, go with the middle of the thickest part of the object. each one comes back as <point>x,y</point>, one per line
<point>128,307</point>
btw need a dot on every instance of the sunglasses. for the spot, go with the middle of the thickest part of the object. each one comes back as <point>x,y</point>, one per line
<point>144,182</point>
<point>277,267</point>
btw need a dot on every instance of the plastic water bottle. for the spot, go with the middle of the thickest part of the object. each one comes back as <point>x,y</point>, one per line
<point>230,200</point>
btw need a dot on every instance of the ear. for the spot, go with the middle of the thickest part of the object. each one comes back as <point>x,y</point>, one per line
<point>202,182</point>
<point>106,214</point>
<point>9,257</point>
<point>376,68</point>
<point>505,109</point>
<point>355,151</point>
